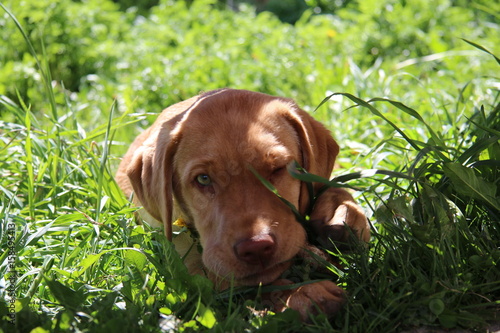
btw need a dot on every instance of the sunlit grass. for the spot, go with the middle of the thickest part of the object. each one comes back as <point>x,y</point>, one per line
<point>82,264</point>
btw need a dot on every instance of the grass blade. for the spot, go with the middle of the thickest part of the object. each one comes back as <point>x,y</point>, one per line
<point>482,49</point>
<point>44,71</point>
<point>414,114</point>
<point>29,165</point>
<point>103,162</point>
<point>375,111</point>
<point>273,189</point>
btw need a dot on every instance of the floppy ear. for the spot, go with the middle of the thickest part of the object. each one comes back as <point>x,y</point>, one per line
<point>147,168</point>
<point>150,174</point>
<point>319,150</point>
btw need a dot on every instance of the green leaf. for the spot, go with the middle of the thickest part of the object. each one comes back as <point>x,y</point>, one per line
<point>86,263</point>
<point>66,296</point>
<point>436,306</point>
<point>135,258</point>
<point>39,330</point>
<point>467,182</point>
<point>448,319</point>
<point>401,208</point>
<point>65,320</point>
<point>33,238</point>
<point>205,316</point>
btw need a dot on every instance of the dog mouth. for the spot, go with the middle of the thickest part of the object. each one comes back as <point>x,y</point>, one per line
<point>265,276</point>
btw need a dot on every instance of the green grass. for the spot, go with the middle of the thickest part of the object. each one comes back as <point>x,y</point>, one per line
<point>420,149</point>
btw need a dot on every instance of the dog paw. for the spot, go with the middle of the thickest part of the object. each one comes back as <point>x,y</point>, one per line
<point>337,218</point>
<point>310,299</point>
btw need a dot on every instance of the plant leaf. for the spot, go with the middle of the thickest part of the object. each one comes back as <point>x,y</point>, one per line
<point>468,183</point>
<point>206,316</point>
<point>135,258</point>
<point>66,296</point>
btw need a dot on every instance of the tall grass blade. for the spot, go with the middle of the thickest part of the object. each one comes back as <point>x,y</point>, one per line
<point>477,148</point>
<point>44,71</point>
<point>482,49</point>
<point>29,165</point>
<point>490,130</point>
<point>414,114</point>
<point>103,161</point>
<point>375,111</point>
<point>340,181</point>
<point>48,262</point>
<point>273,189</point>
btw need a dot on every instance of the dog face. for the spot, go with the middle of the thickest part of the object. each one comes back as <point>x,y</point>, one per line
<point>246,232</point>
<point>201,157</point>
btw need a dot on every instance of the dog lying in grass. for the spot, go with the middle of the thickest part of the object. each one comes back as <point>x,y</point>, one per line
<point>199,164</point>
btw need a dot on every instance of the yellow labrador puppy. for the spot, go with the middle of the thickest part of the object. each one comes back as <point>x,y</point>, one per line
<point>197,163</point>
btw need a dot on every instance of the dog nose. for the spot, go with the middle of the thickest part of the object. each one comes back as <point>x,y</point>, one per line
<point>255,250</point>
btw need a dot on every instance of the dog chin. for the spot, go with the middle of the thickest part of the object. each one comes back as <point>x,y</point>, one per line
<point>266,276</point>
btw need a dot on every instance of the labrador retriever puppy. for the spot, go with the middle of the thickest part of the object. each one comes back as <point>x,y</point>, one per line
<point>197,164</point>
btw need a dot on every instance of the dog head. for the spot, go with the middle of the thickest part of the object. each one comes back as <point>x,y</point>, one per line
<point>201,156</point>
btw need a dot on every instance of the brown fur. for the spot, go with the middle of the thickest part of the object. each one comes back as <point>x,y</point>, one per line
<point>247,234</point>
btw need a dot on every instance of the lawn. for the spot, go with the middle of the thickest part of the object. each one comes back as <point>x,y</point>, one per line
<point>410,90</point>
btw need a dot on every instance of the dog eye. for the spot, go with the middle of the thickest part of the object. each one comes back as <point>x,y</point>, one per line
<point>204,180</point>
<point>276,173</point>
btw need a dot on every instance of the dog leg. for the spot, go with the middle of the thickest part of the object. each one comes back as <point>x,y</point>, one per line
<point>336,218</point>
<point>308,300</point>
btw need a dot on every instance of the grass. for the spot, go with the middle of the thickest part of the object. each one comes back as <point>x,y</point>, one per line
<point>428,177</point>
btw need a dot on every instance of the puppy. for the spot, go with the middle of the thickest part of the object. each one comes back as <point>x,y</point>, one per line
<point>198,162</point>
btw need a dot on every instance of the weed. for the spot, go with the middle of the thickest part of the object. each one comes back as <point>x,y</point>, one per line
<point>424,162</point>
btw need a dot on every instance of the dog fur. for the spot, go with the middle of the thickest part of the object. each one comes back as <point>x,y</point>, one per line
<point>197,163</point>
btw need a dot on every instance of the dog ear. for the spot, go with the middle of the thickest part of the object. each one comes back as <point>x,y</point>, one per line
<point>150,169</point>
<point>150,174</point>
<point>319,149</point>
